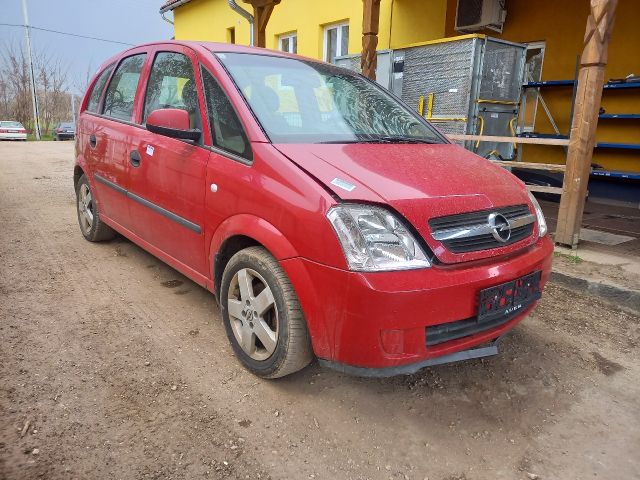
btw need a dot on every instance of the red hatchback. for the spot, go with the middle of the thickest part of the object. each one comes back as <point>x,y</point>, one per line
<point>329,219</point>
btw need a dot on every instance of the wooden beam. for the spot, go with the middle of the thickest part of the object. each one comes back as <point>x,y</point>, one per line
<point>370,25</point>
<point>533,141</point>
<point>262,10</point>
<point>549,167</point>
<point>544,189</point>
<point>585,120</point>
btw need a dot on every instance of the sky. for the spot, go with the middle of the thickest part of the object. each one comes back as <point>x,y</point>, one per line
<point>128,21</point>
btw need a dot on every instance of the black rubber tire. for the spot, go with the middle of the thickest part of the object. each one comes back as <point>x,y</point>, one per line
<point>99,231</point>
<point>293,349</point>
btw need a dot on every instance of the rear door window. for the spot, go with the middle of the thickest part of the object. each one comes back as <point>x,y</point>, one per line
<point>98,88</point>
<point>172,85</point>
<point>121,92</point>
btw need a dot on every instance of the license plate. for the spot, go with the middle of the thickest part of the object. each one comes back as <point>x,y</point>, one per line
<point>507,298</point>
<point>14,131</point>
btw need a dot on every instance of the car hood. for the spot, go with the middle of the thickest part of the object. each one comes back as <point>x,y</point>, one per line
<point>420,181</point>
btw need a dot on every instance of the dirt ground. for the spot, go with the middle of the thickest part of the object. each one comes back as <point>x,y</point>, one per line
<point>115,366</point>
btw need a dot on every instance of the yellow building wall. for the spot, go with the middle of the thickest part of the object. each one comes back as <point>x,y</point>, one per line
<point>401,22</point>
<point>562,23</point>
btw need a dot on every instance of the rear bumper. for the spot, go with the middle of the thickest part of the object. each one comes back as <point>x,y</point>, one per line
<point>13,136</point>
<point>380,320</point>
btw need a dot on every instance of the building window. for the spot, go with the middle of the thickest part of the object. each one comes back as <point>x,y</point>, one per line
<point>288,43</point>
<point>336,41</point>
<point>533,73</point>
<point>231,35</point>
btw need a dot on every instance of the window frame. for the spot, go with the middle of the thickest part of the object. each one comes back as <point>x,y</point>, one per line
<point>213,147</point>
<point>288,36</point>
<point>325,39</point>
<point>142,83</point>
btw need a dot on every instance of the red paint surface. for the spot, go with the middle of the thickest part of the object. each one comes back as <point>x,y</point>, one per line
<point>281,200</point>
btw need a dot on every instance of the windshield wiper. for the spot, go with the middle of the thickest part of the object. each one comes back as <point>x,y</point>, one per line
<point>399,139</point>
<point>369,138</point>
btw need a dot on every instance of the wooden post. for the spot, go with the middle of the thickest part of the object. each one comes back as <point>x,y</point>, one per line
<point>370,25</point>
<point>585,121</point>
<point>262,10</point>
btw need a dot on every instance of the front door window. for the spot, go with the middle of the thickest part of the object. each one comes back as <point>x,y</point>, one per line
<point>172,85</point>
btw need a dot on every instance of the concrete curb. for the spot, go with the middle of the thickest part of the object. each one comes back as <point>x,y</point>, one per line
<point>621,296</point>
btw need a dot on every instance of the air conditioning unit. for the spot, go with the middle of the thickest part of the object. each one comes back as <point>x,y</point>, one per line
<point>474,15</point>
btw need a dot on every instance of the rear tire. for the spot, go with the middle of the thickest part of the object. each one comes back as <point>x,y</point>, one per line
<point>92,228</point>
<point>262,315</point>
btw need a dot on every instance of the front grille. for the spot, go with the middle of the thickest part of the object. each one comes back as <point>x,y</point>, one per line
<point>485,241</point>
<point>446,332</point>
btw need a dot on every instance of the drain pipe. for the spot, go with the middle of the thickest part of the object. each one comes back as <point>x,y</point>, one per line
<point>238,9</point>
<point>165,18</point>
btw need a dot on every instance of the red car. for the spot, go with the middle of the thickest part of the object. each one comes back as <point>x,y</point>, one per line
<point>328,218</point>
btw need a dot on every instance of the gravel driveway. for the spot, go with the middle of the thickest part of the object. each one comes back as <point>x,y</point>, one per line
<point>113,365</point>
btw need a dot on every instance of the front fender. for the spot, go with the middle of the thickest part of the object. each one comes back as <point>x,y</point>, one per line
<point>256,228</point>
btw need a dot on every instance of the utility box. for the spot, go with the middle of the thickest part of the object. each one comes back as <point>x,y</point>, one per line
<point>464,85</point>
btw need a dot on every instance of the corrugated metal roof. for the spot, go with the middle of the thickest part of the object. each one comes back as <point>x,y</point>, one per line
<point>171,4</point>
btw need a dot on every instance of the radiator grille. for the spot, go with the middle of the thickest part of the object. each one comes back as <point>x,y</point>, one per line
<point>481,242</point>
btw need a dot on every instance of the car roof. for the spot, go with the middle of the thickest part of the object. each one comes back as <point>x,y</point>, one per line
<point>214,47</point>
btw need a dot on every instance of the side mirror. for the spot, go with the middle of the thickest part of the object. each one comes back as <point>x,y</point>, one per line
<point>172,122</point>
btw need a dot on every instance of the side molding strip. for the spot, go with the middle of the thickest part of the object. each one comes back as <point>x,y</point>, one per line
<point>156,208</point>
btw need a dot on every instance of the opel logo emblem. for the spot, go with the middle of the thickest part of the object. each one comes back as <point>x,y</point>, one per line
<point>500,227</point>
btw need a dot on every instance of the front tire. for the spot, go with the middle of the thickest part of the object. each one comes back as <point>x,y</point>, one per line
<point>92,228</point>
<point>262,315</point>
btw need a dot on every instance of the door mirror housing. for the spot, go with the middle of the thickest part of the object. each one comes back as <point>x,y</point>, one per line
<point>172,122</point>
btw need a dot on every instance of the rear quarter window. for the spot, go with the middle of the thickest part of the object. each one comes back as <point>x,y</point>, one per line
<point>98,87</point>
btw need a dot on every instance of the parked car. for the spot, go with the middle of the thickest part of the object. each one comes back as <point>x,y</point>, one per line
<point>328,218</point>
<point>64,131</point>
<point>10,130</point>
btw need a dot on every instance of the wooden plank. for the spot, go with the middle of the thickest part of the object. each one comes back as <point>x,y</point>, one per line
<point>549,167</point>
<point>534,141</point>
<point>585,120</point>
<point>543,189</point>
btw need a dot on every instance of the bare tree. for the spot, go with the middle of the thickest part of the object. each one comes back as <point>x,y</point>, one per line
<point>54,101</point>
<point>15,75</point>
<point>51,76</point>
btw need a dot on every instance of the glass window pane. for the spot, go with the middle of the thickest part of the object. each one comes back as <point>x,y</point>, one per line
<point>172,85</point>
<point>284,44</point>
<point>226,128</point>
<point>98,88</point>
<point>344,41</point>
<point>332,44</point>
<point>294,44</point>
<point>120,96</point>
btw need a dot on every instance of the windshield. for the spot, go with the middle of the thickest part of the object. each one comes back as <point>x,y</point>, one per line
<point>67,125</point>
<point>11,124</point>
<point>300,101</point>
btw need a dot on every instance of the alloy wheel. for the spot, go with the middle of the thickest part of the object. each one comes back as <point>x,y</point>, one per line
<point>85,207</point>
<point>253,314</point>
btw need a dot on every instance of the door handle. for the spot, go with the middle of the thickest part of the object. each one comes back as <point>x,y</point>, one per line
<point>135,158</point>
<point>93,141</point>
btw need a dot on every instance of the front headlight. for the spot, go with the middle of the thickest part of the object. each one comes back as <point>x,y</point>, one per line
<point>542,223</point>
<point>373,239</point>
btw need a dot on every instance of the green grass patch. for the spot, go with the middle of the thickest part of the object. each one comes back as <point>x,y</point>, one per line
<point>47,138</point>
<point>575,259</point>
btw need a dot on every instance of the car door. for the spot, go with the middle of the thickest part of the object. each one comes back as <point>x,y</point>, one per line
<point>111,135</point>
<point>167,177</point>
